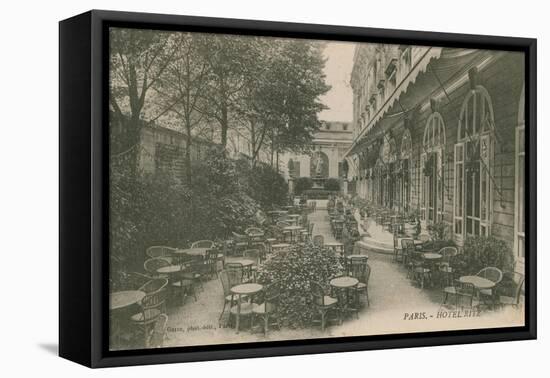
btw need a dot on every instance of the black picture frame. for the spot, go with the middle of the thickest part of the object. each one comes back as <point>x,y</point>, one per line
<point>84,184</point>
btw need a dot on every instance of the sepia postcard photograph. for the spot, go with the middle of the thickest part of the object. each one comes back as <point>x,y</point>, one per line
<point>269,189</point>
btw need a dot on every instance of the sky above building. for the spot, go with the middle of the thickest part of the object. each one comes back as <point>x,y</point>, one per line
<point>338,68</point>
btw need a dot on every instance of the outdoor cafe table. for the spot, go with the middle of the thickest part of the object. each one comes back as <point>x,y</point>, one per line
<point>246,263</point>
<point>248,289</point>
<point>293,231</point>
<point>480,283</point>
<point>278,246</point>
<point>431,256</point>
<point>415,241</point>
<point>357,257</point>
<point>343,284</point>
<point>293,217</point>
<point>118,301</point>
<point>192,251</point>
<point>121,299</point>
<point>169,269</point>
<point>335,246</point>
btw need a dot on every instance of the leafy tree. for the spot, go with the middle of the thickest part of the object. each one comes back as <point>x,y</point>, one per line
<point>185,79</point>
<point>138,59</point>
<point>229,58</point>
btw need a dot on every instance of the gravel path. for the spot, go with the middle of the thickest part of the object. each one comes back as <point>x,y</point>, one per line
<point>392,298</point>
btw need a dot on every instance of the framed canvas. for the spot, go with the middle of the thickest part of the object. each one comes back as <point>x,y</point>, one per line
<point>234,188</point>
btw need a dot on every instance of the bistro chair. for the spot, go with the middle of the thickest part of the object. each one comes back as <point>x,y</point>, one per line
<point>228,279</point>
<point>236,272</point>
<point>183,286</point>
<point>156,252</point>
<point>513,296</point>
<point>240,243</point>
<point>359,269</point>
<point>254,255</point>
<point>319,241</point>
<point>267,310</point>
<point>445,267</point>
<point>285,233</point>
<point>492,274</point>
<point>460,290</point>
<point>152,265</point>
<point>153,286</point>
<point>136,279</point>
<point>203,244</point>
<point>194,269</point>
<point>407,249</point>
<point>151,309</point>
<point>159,332</point>
<point>255,235</point>
<point>397,249</point>
<point>210,262</point>
<point>323,303</point>
<point>418,269</point>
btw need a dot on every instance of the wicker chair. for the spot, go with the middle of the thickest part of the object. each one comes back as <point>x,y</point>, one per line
<point>203,244</point>
<point>407,249</point>
<point>152,265</point>
<point>185,287</point>
<point>236,272</point>
<point>445,267</point>
<point>159,332</point>
<point>156,252</point>
<point>323,303</point>
<point>512,298</point>
<point>210,262</point>
<point>397,249</point>
<point>267,310</point>
<point>285,233</point>
<point>418,269</point>
<point>254,255</point>
<point>240,243</point>
<point>492,274</point>
<point>151,309</point>
<point>460,291</point>
<point>228,279</point>
<point>319,240</point>
<point>359,269</point>
<point>194,270</point>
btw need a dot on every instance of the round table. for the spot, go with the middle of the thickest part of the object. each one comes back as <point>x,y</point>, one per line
<point>479,282</point>
<point>118,302</point>
<point>343,284</point>
<point>121,299</point>
<point>334,246</point>
<point>248,289</point>
<point>357,257</point>
<point>293,230</point>
<point>170,269</point>
<point>192,251</point>
<point>279,246</point>
<point>293,218</point>
<point>431,256</point>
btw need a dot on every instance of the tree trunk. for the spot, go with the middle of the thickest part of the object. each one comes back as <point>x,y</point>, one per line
<point>224,125</point>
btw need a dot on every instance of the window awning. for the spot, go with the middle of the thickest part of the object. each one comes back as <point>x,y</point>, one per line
<point>443,64</point>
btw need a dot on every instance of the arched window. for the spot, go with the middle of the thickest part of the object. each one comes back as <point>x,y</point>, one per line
<point>519,224</point>
<point>473,156</point>
<point>404,176</point>
<point>431,163</point>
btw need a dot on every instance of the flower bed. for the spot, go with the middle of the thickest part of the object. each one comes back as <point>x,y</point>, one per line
<point>294,270</point>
